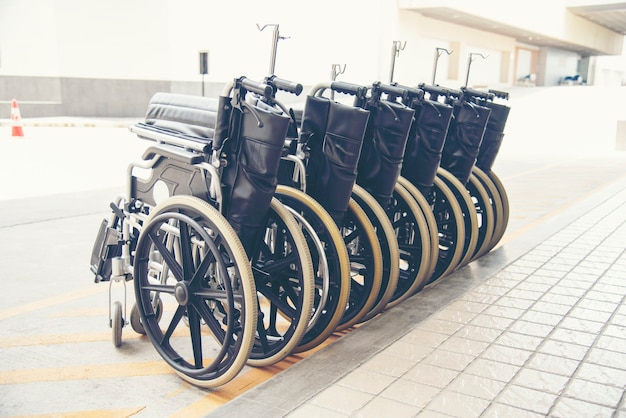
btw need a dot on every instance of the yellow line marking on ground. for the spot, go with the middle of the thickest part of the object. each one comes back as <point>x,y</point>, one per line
<point>245,382</point>
<point>82,337</point>
<point>554,213</point>
<point>85,372</point>
<point>107,413</point>
<point>51,301</point>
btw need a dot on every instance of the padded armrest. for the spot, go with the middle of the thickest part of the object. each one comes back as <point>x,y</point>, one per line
<point>173,152</point>
<point>171,137</point>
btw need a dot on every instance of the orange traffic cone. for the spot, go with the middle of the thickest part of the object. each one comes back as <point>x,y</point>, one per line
<point>16,120</point>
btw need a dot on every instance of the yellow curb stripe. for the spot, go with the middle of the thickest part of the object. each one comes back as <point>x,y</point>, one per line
<point>108,413</point>
<point>88,372</point>
<point>243,383</point>
<point>83,337</point>
<point>523,230</point>
<point>51,301</point>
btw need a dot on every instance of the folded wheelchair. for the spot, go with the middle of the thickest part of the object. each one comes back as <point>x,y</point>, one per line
<point>222,271</point>
<point>252,231</point>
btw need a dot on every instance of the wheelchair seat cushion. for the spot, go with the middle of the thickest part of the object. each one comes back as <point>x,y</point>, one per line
<point>189,115</point>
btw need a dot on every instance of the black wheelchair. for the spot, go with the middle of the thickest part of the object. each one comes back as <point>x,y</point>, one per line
<point>253,231</point>
<point>222,271</point>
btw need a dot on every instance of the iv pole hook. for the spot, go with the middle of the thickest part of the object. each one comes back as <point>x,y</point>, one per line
<point>275,38</point>
<point>395,52</point>
<point>438,53</point>
<point>469,64</point>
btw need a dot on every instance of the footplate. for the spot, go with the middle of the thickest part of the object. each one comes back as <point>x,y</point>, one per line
<point>108,245</point>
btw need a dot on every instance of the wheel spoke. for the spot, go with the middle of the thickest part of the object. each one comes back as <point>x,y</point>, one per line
<point>196,335</point>
<point>178,315</point>
<point>211,321</point>
<point>203,267</point>
<point>275,300</point>
<point>168,257</point>
<point>161,288</point>
<point>185,250</point>
<point>262,334</point>
<point>351,236</point>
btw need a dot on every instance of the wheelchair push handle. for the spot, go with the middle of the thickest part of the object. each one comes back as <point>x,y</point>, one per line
<point>414,93</point>
<point>435,91</point>
<point>360,92</point>
<point>500,94</point>
<point>262,89</point>
<point>468,93</point>
<point>390,90</point>
<point>349,88</point>
<point>284,85</point>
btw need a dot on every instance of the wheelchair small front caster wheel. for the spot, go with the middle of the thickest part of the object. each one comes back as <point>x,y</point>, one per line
<point>135,317</point>
<point>135,321</point>
<point>117,322</point>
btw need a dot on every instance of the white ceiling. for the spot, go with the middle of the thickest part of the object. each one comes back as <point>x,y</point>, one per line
<point>612,16</point>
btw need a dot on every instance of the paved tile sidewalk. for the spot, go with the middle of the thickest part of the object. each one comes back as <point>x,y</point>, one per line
<point>544,336</point>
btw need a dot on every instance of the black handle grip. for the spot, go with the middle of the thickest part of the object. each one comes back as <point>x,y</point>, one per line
<point>259,88</point>
<point>434,89</point>
<point>477,94</point>
<point>349,88</point>
<point>500,94</point>
<point>285,85</point>
<point>413,93</point>
<point>390,90</point>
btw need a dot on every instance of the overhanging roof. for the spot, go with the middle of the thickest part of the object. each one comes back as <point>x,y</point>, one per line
<point>609,15</point>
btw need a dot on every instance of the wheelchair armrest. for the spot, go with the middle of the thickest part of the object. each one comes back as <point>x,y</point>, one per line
<point>173,152</point>
<point>157,134</point>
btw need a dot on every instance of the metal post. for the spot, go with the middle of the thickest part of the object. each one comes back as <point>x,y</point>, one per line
<point>275,38</point>
<point>395,52</point>
<point>336,70</point>
<point>469,64</point>
<point>438,53</point>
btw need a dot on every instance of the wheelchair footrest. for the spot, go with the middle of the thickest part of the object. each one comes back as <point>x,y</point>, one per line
<point>107,246</point>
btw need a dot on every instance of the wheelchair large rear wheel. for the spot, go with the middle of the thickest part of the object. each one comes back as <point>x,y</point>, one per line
<point>285,284</point>
<point>389,247</point>
<point>486,216</point>
<point>366,264</point>
<point>505,208</point>
<point>450,228</point>
<point>414,240</point>
<point>470,216</point>
<point>498,209</point>
<point>189,256</point>
<point>431,223</point>
<point>332,266</point>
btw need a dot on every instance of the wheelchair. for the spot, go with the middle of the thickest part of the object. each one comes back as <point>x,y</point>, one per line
<point>492,140</point>
<point>321,162</point>
<point>480,144</point>
<point>378,170</point>
<point>222,272</point>
<point>460,169</point>
<point>448,221</point>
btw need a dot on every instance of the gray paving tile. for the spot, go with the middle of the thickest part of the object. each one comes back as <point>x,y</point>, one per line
<point>526,398</point>
<point>543,336</point>
<point>574,408</point>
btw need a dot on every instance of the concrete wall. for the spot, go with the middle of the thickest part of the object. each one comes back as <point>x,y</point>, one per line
<point>73,57</point>
<point>556,64</point>
<point>105,58</point>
